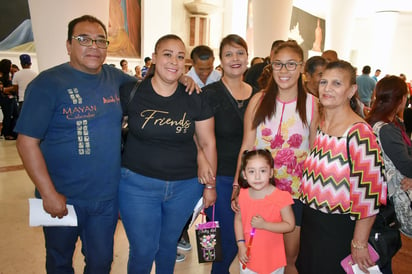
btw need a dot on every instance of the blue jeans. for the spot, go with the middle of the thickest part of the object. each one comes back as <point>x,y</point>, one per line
<point>154,213</point>
<point>225,215</point>
<point>96,226</point>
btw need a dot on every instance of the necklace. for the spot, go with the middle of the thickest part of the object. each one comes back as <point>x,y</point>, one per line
<point>240,103</point>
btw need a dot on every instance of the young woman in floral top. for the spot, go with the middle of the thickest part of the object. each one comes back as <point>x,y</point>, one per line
<point>283,118</point>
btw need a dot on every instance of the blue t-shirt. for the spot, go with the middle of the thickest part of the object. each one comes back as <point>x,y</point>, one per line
<point>77,118</point>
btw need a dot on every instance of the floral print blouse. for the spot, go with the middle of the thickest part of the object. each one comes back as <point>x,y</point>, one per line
<point>285,135</point>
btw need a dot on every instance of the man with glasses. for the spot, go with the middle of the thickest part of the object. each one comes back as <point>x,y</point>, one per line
<point>69,142</point>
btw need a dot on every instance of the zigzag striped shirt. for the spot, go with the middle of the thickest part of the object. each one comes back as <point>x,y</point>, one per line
<point>334,183</point>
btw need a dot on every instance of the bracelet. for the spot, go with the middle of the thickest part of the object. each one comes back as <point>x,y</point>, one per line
<point>241,241</point>
<point>210,186</point>
<point>357,245</point>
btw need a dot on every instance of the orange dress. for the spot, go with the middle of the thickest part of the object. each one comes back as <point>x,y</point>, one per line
<point>268,251</point>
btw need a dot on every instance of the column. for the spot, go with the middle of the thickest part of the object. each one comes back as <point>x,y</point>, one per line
<point>50,28</point>
<point>271,21</point>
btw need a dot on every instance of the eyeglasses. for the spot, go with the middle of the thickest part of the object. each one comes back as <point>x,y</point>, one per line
<point>290,66</point>
<point>88,42</point>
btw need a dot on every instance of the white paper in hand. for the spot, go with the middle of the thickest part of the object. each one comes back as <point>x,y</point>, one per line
<point>196,211</point>
<point>39,217</point>
<point>372,270</point>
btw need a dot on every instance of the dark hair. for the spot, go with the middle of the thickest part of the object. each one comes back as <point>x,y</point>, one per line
<point>341,64</point>
<point>232,39</point>
<point>366,70</point>
<point>313,62</point>
<point>276,43</point>
<point>265,76</point>
<point>162,39</point>
<point>121,62</point>
<point>201,52</point>
<point>5,68</point>
<point>389,91</point>
<point>84,18</point>
<point>250,154</point>
<point>267,105</point>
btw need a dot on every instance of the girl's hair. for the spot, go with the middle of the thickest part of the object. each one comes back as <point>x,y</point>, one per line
<point>162,39</point>
<point>267,106</point>
<point>232,39</point>
<point>250,154</point>
<point>389,91</point>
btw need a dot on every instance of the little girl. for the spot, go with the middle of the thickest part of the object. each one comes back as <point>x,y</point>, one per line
<point>265,214</point>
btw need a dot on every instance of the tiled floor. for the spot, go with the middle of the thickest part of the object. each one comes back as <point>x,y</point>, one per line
<point>22,247</point>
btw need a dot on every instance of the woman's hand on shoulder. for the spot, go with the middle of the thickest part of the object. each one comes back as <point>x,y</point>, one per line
<point>190,84</point>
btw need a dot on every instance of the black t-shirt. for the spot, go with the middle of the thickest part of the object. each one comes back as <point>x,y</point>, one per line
<point>228,126</point>
<point>160,139</point>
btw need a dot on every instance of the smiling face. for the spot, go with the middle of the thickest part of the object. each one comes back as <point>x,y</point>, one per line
<point>203,68</point>
<point>234,60</point>
<point>335,88</point>
<point>287,80</point>
<point>257,172</point>
<point>169,59</point>
<point>87,59</point>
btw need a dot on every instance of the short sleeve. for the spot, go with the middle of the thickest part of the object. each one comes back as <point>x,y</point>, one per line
<point>368,188</point>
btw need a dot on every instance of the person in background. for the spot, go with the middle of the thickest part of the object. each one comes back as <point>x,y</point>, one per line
<point>403,77</point>
<point>256,60</point>
<point>14,68</point>
<point>283,119</point>
<point>228,99</point>
<point>330,55</point>
<point>69,142</point>
<point>8,101</point>
<point>159,184</point>
<point>407,117</point>
<point>366,86</point>
<point>138,73</point>
<point>202,66</point>
<point>391,97</point>
<point>147,64</point>
<point>376,75</point>
<point>313,69</point>
<point>343,181</point>
<point>265,214</point>
<point>219,69</point>
<point>23,77</point>
<point>125,67</point>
